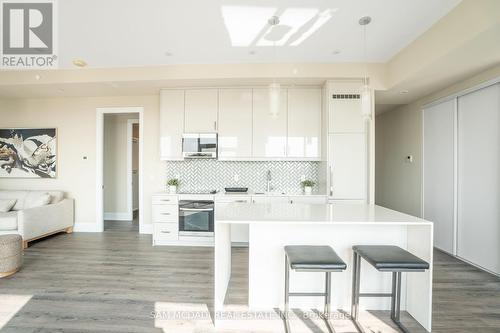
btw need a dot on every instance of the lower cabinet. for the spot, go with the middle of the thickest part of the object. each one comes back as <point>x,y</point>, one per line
<point>165,214</point>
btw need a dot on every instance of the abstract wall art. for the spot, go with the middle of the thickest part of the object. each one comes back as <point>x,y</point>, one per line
<point>28,152</point>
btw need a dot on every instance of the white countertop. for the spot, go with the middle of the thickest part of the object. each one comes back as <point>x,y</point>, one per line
<point>297,213</point>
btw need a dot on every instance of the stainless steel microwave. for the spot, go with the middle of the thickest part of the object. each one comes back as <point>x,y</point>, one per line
<point>199,145</point>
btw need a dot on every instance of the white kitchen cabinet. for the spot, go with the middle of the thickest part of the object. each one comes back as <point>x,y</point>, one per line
<point>200,111</point>
<point>304,123</point>
<point>171,124</point>
<point>239,232</point>
<point>269,131</point>
<point>348,166</point>
<point>235,119</point>
<point>345,115</point>
<point>165,218</point>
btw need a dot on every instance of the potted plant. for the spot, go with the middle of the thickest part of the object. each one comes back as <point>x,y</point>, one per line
<point>172,185</point>
<point>308,186</point>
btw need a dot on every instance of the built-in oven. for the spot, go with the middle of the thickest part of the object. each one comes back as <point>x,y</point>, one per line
<point>196,218</point>
<point>202,145</point>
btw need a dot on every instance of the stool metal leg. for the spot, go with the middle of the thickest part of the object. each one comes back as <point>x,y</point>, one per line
<point>355,286</point>
<point>356,279</point>
<point>328,291</point>
<point>287,296</point>
<point>328,282</point>
<point>394,295</point>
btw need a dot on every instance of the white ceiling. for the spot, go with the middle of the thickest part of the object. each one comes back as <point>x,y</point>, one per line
<point>122,33</point>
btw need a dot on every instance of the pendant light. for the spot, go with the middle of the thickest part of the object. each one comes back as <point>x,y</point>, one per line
<point>366,104</point>
<point>274,87</point>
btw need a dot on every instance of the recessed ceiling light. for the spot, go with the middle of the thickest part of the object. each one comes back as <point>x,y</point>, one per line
<point>168,54</point>
<point>402,92</point>
<point>79,62</point>
<point>37,77</point>
<point>252,52</point>
<point>335,52</point>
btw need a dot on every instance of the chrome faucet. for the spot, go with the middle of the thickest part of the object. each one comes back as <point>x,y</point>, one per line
<point>269,187</point>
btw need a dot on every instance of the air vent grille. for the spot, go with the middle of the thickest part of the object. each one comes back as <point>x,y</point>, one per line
<point>346,96</point>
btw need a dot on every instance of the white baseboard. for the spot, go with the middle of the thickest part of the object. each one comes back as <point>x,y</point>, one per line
<point>117,217</point>
<point>86,227</point>
<point>146,229</point>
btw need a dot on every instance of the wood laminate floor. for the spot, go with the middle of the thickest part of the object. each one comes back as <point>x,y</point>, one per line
<point>116,281</point>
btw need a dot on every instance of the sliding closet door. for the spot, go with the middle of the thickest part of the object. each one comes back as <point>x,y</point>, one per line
<point>439,125</point>
<point>479,177</point>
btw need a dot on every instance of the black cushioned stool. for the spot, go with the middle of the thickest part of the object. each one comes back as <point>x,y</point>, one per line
<point>311,258</point>
<point>385,258</point>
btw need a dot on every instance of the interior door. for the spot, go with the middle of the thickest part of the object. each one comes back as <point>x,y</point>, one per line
<point>438,165</point>
<point>479,177</point>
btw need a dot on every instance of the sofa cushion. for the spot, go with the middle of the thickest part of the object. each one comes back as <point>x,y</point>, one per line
<point>19,195</point>
<point>8,221</point>
<point>36,199</point>
<point>6,205</point>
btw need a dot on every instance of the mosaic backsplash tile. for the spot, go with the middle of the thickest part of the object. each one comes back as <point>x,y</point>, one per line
<point>215,175</point>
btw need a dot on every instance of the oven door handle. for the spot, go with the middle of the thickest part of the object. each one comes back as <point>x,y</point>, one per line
<point>196,209</point>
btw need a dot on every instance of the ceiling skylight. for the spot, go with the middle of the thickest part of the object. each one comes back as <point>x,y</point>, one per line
<point>244,23</point>
<point>248,26</point>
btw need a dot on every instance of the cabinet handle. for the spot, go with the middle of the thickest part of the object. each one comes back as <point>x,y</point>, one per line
<point>165,232</point>
<point>215,125</point>
<point>240,201</point>
<point>291,201</point>
<point>165,200</point>
<point>165,213</point>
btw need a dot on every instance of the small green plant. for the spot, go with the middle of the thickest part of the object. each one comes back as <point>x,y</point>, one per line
<point>173,182</point>
<point>307,183</point>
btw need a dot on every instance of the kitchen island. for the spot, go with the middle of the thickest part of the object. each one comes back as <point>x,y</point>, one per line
<point>274,225</point>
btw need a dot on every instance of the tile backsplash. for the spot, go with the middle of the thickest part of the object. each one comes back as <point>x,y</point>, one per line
<point>215,174</point>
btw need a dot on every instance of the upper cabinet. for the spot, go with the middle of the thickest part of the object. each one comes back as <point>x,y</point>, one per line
<point>246,126</point>
<point>235,123</point>
<point>304,123</point>
<point>171,124</point>
<point>269,130</point>
<point>200,111</point>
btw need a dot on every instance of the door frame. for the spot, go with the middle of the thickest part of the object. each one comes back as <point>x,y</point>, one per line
<point>100,112</point>
<point>130,155</point>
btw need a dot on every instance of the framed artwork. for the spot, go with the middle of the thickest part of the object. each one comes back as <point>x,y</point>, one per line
<point>28,152</point>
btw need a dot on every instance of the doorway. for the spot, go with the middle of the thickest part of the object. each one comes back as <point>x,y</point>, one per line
<point>119,169</point>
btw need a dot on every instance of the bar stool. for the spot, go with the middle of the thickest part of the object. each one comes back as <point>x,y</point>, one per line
<point>311,258</point>
<point>385,258</point>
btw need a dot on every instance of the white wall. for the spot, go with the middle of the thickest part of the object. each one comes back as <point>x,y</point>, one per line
<point>115,163</point>
<point>399,133</point>
<point>75,119</point>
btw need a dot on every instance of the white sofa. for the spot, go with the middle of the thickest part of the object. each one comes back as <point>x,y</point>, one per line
<point>36,221</point>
